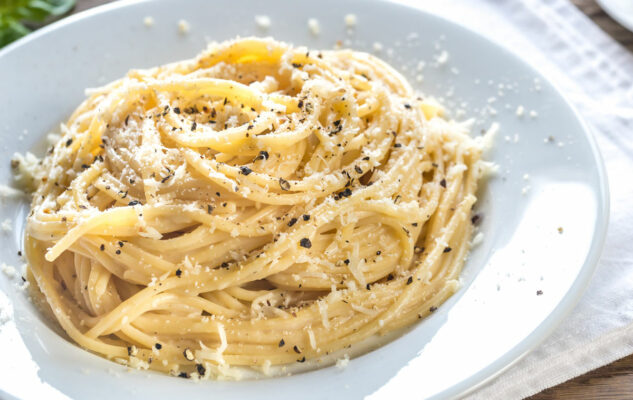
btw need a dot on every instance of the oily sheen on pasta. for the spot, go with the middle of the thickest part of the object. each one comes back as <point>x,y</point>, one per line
<point>258,205</point>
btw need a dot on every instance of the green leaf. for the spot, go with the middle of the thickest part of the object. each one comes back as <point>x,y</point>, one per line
<point>13,14</point>
<point>11,32</point>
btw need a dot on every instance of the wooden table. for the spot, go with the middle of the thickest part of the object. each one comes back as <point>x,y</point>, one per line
<point>613,381</point>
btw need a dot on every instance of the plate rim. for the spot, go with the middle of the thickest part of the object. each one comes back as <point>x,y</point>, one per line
<point>611,11</point>
<point>579,285</point>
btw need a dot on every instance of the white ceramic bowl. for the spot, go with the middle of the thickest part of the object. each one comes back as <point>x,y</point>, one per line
<point>550,176</point>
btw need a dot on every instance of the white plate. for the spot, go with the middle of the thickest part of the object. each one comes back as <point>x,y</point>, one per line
<point>619,10</point>
<point>492,321</point>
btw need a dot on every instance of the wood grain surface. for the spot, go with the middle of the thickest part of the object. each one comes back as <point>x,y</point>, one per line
<point>613,381</point>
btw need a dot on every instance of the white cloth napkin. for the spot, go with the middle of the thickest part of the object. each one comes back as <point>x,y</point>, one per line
<point>596,74</point>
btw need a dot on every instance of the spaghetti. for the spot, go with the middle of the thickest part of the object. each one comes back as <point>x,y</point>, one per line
<point>258,205</point>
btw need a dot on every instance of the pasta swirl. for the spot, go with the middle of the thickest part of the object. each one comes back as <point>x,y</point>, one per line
<point>257,205</point>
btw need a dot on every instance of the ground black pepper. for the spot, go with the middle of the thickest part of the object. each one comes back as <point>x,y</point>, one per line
<point>284,184</point>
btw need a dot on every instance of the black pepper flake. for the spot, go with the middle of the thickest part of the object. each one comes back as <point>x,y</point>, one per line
<point>345,193</point>
<point>365,158</point>
<point>281,343</point>
<point>158,346</point>
<point>475,219</point>
<point>443,183</point>
<point>390,277</point>
<point>85,166</point>
<point>201,369</point>
<point>306,217</point>
<point>368,287</point>
<point>224,265</point>
<point>300,103</point>
<point>188,354</point>
<point>414,224</point>
<point>245,170</point>
<point>296,65</point>
<point>410,280</point>
<point>178,272</point>
<point>284,184</point>
<point>433,309</point>
<point>225,101</point>
<point>102,247</point>
<point>177,110</point>
<point>539,292</point>
<point>263,155</point>
<point>183,375</point>
<point>118,251</point>
<point>336,130</point>
<point>296,349</point>
<point>305,242</point>
<point>447,249</point>
<point>292,222</point>
<point>303,359</point>
<point>397,145</point>
<point>19,253</point>
<point>133,203</point>
<point>407,106</point>
<point>120,243</point>
<point>337,122</point>
<point>209,209</point>
<point>69,142</point>
<point>165,178</point>
<point>194,126</point>
<point>346,261</point>
<point>358,169</point>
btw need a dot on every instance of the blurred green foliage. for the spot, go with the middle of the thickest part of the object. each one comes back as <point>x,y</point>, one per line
<point>18,16</point>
